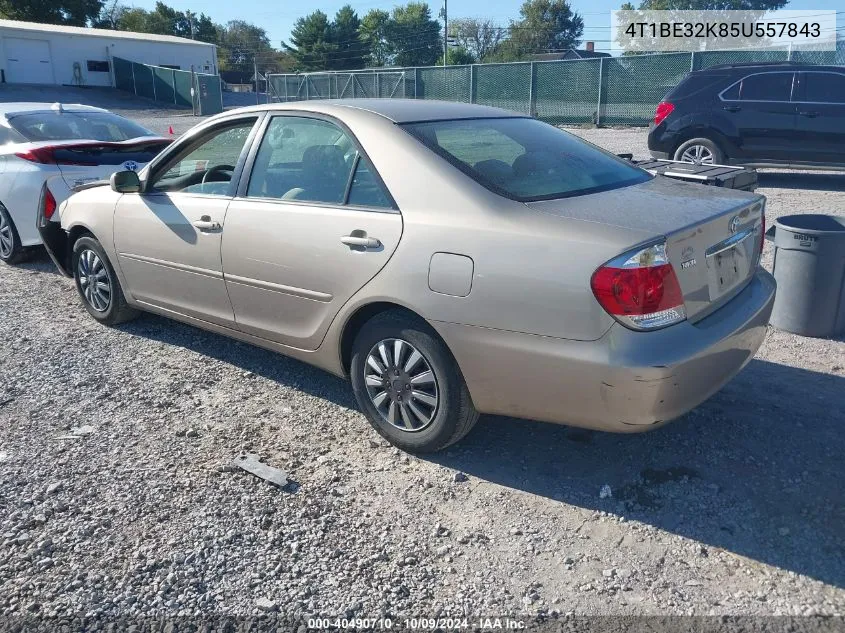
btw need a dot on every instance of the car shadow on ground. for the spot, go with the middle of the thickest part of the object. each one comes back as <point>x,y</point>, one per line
<point>801,180</point>
<point>39,262</point>
<point>757,470</point>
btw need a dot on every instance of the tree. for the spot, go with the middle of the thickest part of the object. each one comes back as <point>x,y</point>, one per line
<point>479,38</point>
<point>73,12</point>
<point>351,49</point>
<point>311,42</point>
<point>458,56</point>
<point>546,25</point>
<point>373,32</point>
<point>240,44</point>
<point>413,37</point>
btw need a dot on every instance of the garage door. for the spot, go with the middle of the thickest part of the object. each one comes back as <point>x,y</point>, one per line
<point>28,61</point>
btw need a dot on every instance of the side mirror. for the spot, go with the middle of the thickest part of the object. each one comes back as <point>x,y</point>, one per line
<point>125,182</point>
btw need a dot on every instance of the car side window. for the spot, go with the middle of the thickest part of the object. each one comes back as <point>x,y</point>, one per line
<point>207,165</point>
<point>312,160</point>
<point>366,190</point>
<point>824,87</point>
<point>732,93</point>
<point>766,87</point>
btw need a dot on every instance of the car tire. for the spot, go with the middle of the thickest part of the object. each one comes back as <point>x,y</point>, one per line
<point>701,151</point>
<point>425,417</point>
<point>11,250</point>
<point>97,283</point>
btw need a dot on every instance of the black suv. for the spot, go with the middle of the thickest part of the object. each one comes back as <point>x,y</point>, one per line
<point>762,115</point>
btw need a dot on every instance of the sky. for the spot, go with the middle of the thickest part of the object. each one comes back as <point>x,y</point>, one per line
<point>277,17</point>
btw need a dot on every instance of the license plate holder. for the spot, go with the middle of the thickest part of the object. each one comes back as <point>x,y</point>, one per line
<point>726,268</point>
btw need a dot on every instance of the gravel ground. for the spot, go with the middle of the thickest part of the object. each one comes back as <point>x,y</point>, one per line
<point>117,497</point>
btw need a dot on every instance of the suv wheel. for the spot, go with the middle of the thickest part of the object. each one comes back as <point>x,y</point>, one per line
<point>408,384</point>
<point>701,151</point>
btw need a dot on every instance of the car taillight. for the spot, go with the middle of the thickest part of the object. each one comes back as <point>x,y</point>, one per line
<point>640,289</point>
<point>664,109</point>
<point>762,231</point>
<point>49,203</point>
<point>47,155</point>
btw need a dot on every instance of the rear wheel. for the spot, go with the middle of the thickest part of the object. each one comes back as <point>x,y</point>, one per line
<point>408,384</point>
<point>11,250</point>
<point>97,283</point>
<point>701,151</point>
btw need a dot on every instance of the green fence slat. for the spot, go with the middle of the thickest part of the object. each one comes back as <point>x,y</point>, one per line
<point>164,88</point>
<point>567,92</point>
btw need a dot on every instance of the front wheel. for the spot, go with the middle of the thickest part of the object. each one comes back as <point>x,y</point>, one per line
<point>701,151</point>
<point>97,283</point>
<point>408,384</point>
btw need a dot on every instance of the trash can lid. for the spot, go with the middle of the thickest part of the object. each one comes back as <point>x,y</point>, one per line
<point>812,223</point>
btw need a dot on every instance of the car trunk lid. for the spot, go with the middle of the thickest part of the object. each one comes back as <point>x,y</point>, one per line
<point>713,235</point>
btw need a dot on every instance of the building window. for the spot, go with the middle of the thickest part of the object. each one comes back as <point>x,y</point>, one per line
<point>97,66</point>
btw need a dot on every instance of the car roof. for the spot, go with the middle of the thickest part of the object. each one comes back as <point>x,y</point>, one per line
<point>396,110</point>
<point>22,107</point>
<point>771,66</point>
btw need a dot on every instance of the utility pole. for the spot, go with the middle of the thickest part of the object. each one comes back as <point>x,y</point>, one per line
<point>445,31</point>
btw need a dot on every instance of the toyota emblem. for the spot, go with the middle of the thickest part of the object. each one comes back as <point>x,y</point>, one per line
<point>734,224</point>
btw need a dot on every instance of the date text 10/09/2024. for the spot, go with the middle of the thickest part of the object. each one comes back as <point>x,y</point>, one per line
<point>417,624</point>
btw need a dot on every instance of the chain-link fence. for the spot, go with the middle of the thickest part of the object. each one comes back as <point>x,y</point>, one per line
<point>606,91</point>
<point>170,86</point>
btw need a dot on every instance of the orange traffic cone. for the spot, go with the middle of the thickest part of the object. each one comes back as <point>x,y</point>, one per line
<point>170,130</point>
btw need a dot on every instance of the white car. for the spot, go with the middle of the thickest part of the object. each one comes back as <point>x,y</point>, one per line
<point>50,149</point>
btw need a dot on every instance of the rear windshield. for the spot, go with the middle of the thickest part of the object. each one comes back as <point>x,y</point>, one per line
<point>524,159</point>
<point>68,126</point>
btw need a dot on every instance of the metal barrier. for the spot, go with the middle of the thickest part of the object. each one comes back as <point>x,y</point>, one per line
<point>170,86</point>
<point>605,91</point>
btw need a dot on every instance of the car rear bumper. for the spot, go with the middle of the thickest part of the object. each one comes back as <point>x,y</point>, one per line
<point>54,238</point>
<point>625,381</point>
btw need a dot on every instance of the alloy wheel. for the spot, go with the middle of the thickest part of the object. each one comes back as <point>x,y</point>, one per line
<point>7,238</point>
<point>401,385</point>
<point>94,280</point>
<point>698,154</point>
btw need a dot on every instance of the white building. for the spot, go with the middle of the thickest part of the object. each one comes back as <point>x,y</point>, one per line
<point>32,53</point>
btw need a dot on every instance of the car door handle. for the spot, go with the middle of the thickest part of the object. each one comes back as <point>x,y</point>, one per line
<point>357,240</point>
<point>810,115</point>
<point>205,224</point>
<point>732,108</point>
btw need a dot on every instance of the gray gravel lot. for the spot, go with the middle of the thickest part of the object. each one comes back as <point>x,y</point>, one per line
<point>117,498</point>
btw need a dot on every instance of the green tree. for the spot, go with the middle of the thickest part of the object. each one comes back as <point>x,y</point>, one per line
<point>311,42</point>
<point>241,44</point>
<point>373,32</point>
<point>478,37</point>
<point>351,49</point>
<point>413,37</point>
<point>545,25</point>
<point>458,56</point>
<point>73,12</point>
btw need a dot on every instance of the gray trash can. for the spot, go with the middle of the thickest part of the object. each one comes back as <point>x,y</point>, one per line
<point>809,267</point>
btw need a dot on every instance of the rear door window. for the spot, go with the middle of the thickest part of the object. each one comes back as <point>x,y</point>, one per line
<point>824,88</point>
<point>524,159</point>
<point>314,160</point>
<point>766,87</point>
